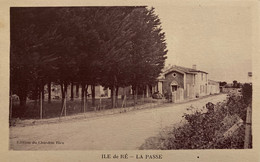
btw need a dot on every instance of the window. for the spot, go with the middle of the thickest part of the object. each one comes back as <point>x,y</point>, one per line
<point>174,75</point>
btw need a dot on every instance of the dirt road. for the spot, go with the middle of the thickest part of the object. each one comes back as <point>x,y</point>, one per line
<point>125,131</point>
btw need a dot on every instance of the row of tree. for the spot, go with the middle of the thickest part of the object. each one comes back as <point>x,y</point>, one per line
<point>109,46</point>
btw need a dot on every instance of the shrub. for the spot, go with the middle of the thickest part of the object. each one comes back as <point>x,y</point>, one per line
<point>204,129</point>
<point>247,93</point>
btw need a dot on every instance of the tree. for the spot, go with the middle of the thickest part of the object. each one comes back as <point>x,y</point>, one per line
<point>234,84</point>
<point>29,57</point>
<point>247,93</point>
<point>110,46</point>
<point>115,49</point>
<point>133,51</point>
<point>149,49</point>
<point>222,83</point>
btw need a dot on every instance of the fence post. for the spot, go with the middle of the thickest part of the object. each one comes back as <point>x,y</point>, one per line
<point>248,136</point>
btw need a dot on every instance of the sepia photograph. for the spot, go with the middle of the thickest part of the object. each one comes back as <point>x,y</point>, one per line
<point>96,77</point>
<point>139,77</point>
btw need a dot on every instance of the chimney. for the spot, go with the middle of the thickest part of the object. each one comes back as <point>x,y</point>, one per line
<point>194,67</point>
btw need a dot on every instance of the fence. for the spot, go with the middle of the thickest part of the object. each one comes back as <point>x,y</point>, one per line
<point>58,107</point>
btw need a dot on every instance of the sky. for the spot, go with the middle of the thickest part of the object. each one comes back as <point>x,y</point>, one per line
<point>216,37</point>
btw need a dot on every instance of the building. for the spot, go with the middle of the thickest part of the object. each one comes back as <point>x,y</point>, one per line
<point>213,87</point>
<point>185,83</point>
<point>175,82</point>
<point>56,91</point>
<point>100,91</point>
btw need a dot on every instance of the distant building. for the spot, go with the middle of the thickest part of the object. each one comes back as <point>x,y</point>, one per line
<point>100,91</point>
<point>56,91</point>
<point>213,87</point>
<point>185,83</point>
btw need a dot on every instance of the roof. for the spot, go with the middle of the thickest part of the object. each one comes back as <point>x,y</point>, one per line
<point>183,69</point>
<point>213,81</point>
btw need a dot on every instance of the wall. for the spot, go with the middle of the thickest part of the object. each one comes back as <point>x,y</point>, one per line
<point>213,87</point>
<point>201,84</point>
<point>231,90</point>
<point>169,78</point>
<point>189,92</point>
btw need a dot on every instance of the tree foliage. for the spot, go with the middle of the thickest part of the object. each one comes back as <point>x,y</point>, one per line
<point>108,46</point>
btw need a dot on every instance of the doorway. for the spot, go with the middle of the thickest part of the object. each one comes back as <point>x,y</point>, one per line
<point>174,88</point>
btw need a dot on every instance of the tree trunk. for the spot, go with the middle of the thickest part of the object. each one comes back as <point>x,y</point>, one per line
<point>22,93</point>
<point>77,90</point>
<point>39,94</point>
<point>22,105</point>
<point>124,98</point>
<point>114,92</point>
<point>83,95</point>
<point>116,98</point>
<point>147,91</point>
<point>136,94</point>
<point>10,106</point>
<point>65,102</point>
<point>42,91</point>
<point>93,94</point>
<point>35,95</point>
<point>71,92</point>
<point>84,102</point>
<point>62,91</point>
<point>143,95</point>
<point>133,90</point>
<point>41,106</point>
<point>65,89</point>
<point>49,92</point>
<point>65,98</point>
<point>112,97</point>
<point>83,85</point>
<point>86,98</point>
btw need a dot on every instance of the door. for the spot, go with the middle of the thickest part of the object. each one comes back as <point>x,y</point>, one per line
<point>174,88</point>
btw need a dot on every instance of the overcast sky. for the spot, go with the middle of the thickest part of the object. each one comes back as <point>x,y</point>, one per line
<point>215,37</point>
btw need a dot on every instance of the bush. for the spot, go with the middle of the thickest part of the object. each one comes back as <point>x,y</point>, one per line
<point>204,129</point>
<point>237,105</point>
<point>247,93</point>
<point>200,131</point>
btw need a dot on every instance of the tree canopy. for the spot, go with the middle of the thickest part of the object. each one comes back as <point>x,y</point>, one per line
<point>108,46</point>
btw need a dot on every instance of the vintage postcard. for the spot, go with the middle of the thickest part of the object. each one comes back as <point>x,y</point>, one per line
<point>130,81</point>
